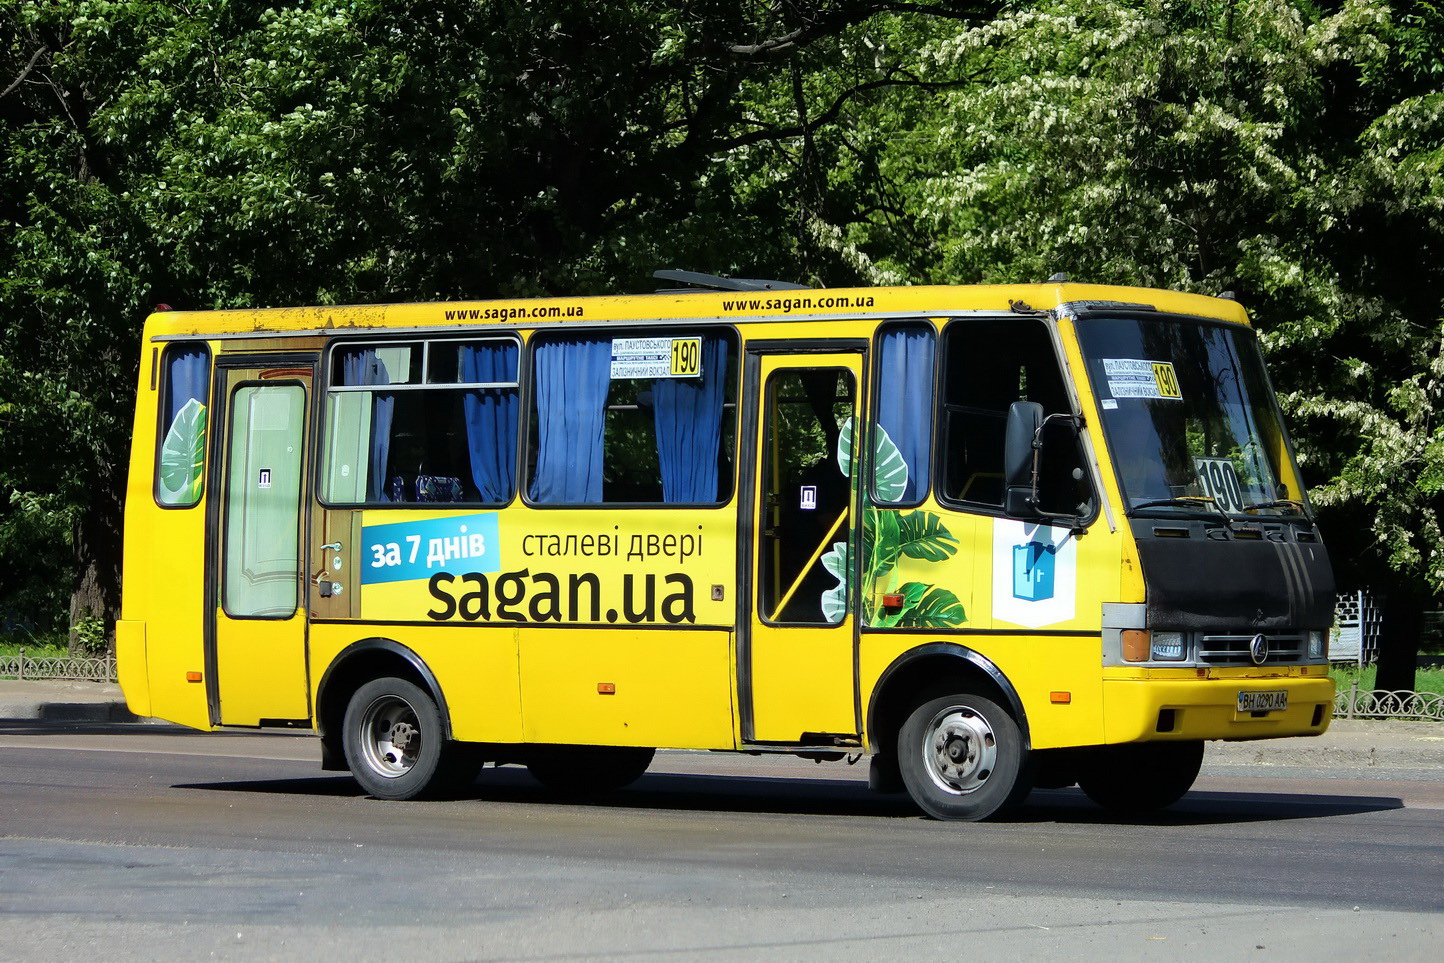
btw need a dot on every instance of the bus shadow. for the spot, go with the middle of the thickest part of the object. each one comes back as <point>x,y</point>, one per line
<point>828,797</point>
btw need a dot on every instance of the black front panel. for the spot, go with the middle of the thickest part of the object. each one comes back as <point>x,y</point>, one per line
<point>1213,581</point>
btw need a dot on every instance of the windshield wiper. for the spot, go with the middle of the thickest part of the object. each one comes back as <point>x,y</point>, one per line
<point>1296,505</point>
<point>1188,501</point>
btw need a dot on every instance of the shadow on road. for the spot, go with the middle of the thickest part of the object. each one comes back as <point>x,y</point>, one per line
<point>828,797</point>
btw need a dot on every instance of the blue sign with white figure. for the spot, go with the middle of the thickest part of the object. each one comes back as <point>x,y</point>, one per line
<point>1034,570</point>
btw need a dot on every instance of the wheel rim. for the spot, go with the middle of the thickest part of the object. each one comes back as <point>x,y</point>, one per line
<point>391,736</point>
<point>961,751</point>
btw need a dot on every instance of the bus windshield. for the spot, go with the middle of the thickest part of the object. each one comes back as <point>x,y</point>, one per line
<point>1189,416</point>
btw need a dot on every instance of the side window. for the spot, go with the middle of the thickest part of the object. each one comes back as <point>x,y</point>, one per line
<point>988,365</point>
<point>422,421</point>
<point>646,419</point>
<point>808,422</point>
<point>181,442</point>
<point>902,466</point>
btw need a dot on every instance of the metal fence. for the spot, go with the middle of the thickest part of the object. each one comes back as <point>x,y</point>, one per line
<point>66,668</point>
<point>1356,703</point>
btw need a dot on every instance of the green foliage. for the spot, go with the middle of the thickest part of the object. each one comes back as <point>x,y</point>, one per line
<point>218,154</point>
<point>1292,153</point>
<point>90,636</point>
<point>1425,680</point>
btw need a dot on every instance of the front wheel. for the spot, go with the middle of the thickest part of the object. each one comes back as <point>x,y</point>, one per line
<point>392,736</point>
<point>1140,778</point>
<point>962,757</point>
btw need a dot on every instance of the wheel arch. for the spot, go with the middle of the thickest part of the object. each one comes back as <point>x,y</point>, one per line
<point>926,667</point>
<point>353,667</point>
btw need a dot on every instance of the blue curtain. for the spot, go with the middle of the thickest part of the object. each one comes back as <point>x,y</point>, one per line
<point>905,401</point>
<point>188,377</point>
<point>363,367</point>
<point>491,418</point>
<point>688,417</point>
<point>572,378</point>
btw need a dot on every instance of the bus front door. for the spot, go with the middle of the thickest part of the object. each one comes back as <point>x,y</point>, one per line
<point>797,666</point>
<point>256,632</point>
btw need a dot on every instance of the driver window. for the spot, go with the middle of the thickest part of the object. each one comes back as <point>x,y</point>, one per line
<point>988,365</point>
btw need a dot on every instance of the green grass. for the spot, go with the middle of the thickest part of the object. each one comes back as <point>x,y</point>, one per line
<point>33,650</point>
<point>1425,680</point>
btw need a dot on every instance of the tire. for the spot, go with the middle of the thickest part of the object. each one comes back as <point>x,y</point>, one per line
<point>588,769</point>
<point>1140,778</point>
<point>962,757</point>
<point>392,737</point>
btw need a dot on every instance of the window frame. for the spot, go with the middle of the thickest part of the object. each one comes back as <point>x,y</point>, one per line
<point>526,461</point>
<point>163,384</point>
<point>941,461</point>
<point>934,442</point>
<point>371,340</point>
<point>221,581</point>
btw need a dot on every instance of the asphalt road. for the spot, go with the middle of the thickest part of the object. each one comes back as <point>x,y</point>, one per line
<point>137,842</point>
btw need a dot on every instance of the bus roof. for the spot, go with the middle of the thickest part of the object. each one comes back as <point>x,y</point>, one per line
<point>733,307</point>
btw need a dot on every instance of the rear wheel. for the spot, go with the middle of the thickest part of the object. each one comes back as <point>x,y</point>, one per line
<point>392,737</point>
<point>962,757</point>
<point>589,769</point>
<point>1140,778</point>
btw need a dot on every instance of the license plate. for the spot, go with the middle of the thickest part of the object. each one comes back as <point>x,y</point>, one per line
<point>1263,700</point>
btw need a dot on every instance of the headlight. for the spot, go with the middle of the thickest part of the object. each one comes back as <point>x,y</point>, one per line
<point>1318,644</point>
<point>1168,647</point>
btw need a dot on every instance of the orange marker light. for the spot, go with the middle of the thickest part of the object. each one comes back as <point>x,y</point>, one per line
<point>1061,698</point>
<point>193,677</point>
<point>1135,645</point>
<point>606,688</point>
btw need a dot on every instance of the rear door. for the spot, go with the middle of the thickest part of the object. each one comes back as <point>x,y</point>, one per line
<point>255,605</point>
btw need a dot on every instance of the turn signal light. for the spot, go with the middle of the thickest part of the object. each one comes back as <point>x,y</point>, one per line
<point>606,688</point>
<point>1135,645</point>
<point>193,677</point>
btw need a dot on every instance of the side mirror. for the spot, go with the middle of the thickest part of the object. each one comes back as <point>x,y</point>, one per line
<point>1021,440</point>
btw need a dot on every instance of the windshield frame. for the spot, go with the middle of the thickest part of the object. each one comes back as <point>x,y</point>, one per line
<point>1202,506</point>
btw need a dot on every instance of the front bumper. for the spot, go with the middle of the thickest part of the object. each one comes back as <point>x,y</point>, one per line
<point>1151,709</point>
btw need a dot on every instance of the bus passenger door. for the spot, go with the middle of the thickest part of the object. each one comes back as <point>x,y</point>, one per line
<point>796,666</point>
<point>256,631</point>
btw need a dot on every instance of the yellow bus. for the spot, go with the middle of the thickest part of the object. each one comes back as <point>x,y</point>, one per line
<point>989,538</point>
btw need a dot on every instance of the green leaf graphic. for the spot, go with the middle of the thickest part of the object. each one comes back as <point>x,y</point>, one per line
<point>835,561</point>
<point>834,603</point>
<point>923,535</point>
<point>844,449</point>
<point>183,455</point>
<point>936,608</point>
<point>881,542</point>
<point>889,469</point>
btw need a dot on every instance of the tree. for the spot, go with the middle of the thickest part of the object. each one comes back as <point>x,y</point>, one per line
<point>1289,152</point>
<point>218,154</point>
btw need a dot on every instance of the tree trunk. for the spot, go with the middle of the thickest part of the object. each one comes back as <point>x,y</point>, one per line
<point>1403,622</point>
<point>95,597</point>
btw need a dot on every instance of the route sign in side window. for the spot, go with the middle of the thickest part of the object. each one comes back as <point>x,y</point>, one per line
<point>622,419</point>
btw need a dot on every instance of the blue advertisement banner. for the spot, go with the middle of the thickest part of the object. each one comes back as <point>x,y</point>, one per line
<point>405,551</point>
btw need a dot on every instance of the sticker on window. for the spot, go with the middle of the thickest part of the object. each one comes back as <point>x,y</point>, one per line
<point>1220,482</point>
<point>656,358</point>
<point>1136,378</point>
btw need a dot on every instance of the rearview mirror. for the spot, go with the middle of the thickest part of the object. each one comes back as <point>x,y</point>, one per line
<point>1021,440</point>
